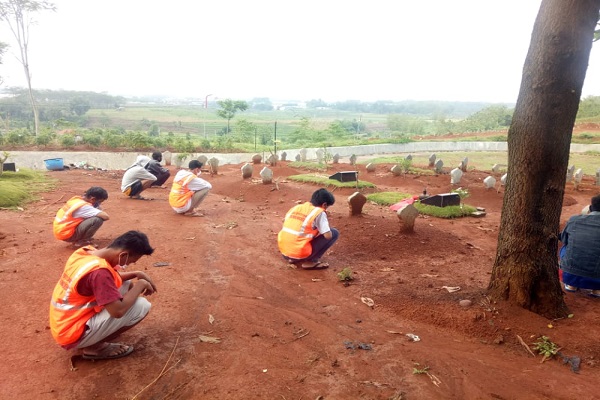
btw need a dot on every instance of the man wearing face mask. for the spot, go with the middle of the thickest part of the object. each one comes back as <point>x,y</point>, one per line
<point>96,300</point>
<point>189,190</point>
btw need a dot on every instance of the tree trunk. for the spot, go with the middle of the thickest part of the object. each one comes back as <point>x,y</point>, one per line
<point>525,270</point>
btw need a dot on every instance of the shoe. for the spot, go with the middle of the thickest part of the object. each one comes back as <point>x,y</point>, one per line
<point>595,293</point>
<point>573,289</point>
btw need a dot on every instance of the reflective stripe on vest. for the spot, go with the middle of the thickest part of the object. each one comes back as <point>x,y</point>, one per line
<point>180,194</point>
<point>64,224</point>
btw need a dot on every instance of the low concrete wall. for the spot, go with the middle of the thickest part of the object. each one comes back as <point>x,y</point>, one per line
<point>122,160</point>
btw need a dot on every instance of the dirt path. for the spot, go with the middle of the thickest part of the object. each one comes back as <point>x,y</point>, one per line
<point>288,334</point>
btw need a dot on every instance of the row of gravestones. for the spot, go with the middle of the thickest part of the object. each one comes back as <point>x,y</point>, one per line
<point>301,157</point>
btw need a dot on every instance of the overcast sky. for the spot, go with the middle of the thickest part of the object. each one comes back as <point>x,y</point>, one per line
<point>464,50</point>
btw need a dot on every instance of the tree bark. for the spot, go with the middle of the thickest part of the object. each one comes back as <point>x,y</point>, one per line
<point>525,270</point>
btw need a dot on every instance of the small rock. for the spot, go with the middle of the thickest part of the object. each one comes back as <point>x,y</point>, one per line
<point>465,303</point>
<point>499,339</point>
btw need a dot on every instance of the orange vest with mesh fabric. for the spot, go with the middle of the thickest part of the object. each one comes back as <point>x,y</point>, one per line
<point>297,232</point>
<point>64,224</point>
<point>70,310</point>
<point>180,194</point>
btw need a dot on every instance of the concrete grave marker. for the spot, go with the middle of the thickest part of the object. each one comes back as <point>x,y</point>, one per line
<point>464,163</point>
<point>407,216</point>
<point>370,167</point>
<point>303,155</point>
<point>570,172</point>
<point>489,182</point>
<point>503,179</point>
<point>213,164</point>
<point>319,156</point>
<point>256,159</point>
<point>336,158</point>
<point>247,170</point>
<point>397,170</point>
<point>356,202</point>
<point>577,178</point>
<point>353,159</point>
<point>203,159</point>
<point>267,175</point>
<point>298,158</point>
<point>432,160</point>
<point>455,176</point>
<point>284,156</point>
<point>438,166</point>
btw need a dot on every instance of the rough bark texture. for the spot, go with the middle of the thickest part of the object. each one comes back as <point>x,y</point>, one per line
<point>525,271</point>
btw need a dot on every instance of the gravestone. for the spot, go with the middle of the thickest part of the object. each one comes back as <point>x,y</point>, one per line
<point>464,163</point>
<point>442,200</point>
<point>345,176</point>
<point>370,167</point>
<point>272,160</point>
<point>455,176</point>
<point>503,179</point>
<point>489,182</point>
<point>438,166</point>
<point>247,170</point>
<point>284,156</point>
<point>407,216</point>
<point>396,170</point>
<point>256,159</point>
<point>577,178</point>
<point>356,202</point>
<point>408,157</point>
<point>298,158</point>
<point>267,175</point>
<point>303,155</point>
<point>167,156</point>
<point>353,159</point>
<point>496,168</point>
<point>432,160</point>
<point>9,166</point>
<point>213,164</point>
<point>202,159</point>
<point>598,177</point>
<point>336,158</point>
<point>570,172</point>
<point>319,154</point>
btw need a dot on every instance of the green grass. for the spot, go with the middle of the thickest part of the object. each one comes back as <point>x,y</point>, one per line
<point>20,188</point>
<point>325,181</point>
<point>390,198</point>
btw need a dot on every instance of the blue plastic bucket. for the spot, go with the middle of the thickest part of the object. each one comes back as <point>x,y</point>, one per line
<point>54,164</point>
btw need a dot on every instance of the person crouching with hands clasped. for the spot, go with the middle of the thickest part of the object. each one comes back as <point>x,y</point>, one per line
<point>96,300</point>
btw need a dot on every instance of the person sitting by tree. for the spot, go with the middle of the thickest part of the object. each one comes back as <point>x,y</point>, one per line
<point>78,220</point>
<point>136,179</point>
<point>96,300</point>
<point>161,173</point>
<point>306,234</point>
<point>580,252</point>
<point>189,190</point>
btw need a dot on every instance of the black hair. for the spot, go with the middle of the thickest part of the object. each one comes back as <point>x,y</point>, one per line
<point>96,192</point>
<point>157,155</point>
<point>595,206</point>
<point>195,164</point>
<point>134,242</point>
<point>321,196</point>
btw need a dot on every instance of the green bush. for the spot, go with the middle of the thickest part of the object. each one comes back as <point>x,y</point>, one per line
<point>67,141</point>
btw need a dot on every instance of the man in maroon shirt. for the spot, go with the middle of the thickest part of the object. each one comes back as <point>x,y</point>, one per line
<point>95,300</point>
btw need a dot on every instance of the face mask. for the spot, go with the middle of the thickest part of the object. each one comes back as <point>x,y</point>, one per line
<point>122,266</point>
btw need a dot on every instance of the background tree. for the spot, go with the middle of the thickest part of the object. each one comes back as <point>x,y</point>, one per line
<point>79,106</point>
<point>525,270</point>
<point>17,15</point>
<point>3,47</point>
<point>229,108</point>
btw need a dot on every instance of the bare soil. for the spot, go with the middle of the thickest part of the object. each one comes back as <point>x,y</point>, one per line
<point>287,333</point>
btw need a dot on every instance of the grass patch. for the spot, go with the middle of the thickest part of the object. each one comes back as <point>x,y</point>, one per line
<point>325,181</point>
<point>20,188</point>
<point>311,166</point>
<point>390,198</point>
<point>387,198</point>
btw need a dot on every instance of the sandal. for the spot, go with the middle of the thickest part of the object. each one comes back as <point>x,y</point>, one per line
<point>109,352</point>
<point>316,265</point>
<point>572,289</point>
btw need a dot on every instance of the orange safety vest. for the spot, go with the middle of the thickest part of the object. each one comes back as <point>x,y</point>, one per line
<point>64,224</point>
<point>297,232</point>
<point>180,193</point>
<point>69,310</point>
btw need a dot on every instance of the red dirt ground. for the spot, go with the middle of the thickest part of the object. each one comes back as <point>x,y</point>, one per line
<point>284,331</point>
